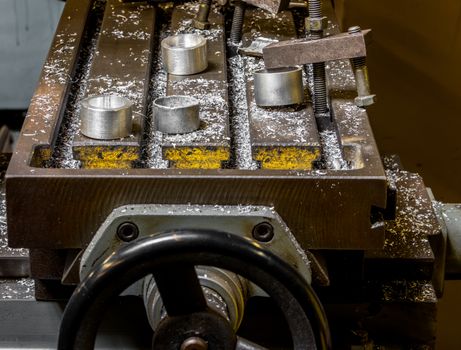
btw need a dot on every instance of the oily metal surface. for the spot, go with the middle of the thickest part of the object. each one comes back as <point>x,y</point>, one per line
<point>325,209</point>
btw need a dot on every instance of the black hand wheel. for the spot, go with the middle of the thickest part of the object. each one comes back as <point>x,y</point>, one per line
<point>171,258</point>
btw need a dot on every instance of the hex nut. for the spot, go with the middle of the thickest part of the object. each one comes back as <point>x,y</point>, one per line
<point>364,101</point>
<point>316,24</point>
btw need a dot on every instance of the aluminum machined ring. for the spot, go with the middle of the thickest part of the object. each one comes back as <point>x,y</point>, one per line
<point>278,87</point>
<point>184,54</point>
<point>106,117</point>
<point>176,114</point>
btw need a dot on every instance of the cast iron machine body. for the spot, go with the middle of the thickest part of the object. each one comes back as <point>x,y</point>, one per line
<point>364,233</point>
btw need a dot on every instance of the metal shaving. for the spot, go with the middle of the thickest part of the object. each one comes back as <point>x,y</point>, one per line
<point>4,248</point>
<point>54,71</point>
<point>213,107</point>
<point>352,121</point>
<point>134,18</point>
<point>415,221</point>
<point>340,76</point>
<point>17,289</point>
<point>240,124</point>
<point>409,291</point>
<point>332,151</point>
<point>270,121</point>
<point>129,88</point>
<point>215,110</point>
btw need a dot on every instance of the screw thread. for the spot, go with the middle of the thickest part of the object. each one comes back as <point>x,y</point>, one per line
<point>320,84</point>
<point>359,62</point>
<point>237,22</point>
<point>320,89</point>
<point>315,8</point>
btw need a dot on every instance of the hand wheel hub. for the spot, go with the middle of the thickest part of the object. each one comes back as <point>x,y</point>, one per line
<point>194,343</point>
<point>197,331</point>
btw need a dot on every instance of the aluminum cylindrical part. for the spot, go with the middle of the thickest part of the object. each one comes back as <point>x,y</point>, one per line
<point>176,114</point>
<point>106,117</point>
<point>278,87</point>
<point>184,54</point>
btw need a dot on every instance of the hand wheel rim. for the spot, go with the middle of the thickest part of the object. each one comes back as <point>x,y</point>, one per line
<point>196,247</point>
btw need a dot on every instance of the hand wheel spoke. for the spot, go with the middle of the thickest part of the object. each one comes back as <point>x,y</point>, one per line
<point>180,290</point>
<point>244,344</point>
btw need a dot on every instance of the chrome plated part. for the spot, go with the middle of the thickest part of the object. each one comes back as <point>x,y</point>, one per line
<point>176,114</point>
<point>184,54</point>
<point>106,117</point>
<point>278,87</point>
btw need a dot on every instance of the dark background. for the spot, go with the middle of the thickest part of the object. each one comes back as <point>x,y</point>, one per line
<point>415,69</point>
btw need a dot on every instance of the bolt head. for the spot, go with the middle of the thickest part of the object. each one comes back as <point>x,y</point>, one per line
<point>263,232</point>
<point>364,101</point>
<point>200,25</point>
<point>127,232</point>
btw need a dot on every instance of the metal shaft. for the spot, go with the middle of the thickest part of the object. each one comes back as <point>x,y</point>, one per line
<point>237,22</point>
